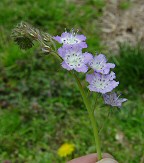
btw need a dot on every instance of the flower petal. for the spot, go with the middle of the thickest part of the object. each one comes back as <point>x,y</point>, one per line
<point>61,52</point>
<point>81,37</point>
<point>83,68</point>
<point>89,77</point>
<point>57,38</point>
<point>65,66</point>
<point>87,57</point>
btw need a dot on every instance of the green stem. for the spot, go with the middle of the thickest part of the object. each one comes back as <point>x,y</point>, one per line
<point>56,56</point>
<point>91,115</point>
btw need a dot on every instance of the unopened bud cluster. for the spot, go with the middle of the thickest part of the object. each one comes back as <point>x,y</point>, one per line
<point>25,35</point>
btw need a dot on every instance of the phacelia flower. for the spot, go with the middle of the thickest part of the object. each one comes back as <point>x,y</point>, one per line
<point>98,64</point>
<point>113,100</point>
<point>74,59</point>
<point>101,83</point>
<point>66,149</point>
<point>71,38</point>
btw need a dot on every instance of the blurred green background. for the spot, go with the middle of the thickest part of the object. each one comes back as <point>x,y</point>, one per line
<point>40,105</point>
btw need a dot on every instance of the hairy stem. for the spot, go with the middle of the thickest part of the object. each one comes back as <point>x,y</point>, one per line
<point>56,56</point>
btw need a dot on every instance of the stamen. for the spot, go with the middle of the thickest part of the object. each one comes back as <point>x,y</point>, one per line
<point>65,30</point>
<point>77,31</point>
<point>96,53</point>
<point>72,31</point>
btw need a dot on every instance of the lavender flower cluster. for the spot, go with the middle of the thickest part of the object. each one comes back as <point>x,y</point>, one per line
<point>101,80</point>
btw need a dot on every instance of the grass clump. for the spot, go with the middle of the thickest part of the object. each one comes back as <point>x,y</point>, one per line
<point>130,68</point>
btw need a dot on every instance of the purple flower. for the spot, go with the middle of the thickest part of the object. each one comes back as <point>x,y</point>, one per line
<point>98,64</point>
<point>74,59</point>
<point>113,100</point>
<point>71,38</point>
<point>101,83</point>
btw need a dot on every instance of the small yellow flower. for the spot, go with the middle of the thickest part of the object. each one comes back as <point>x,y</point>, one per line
<point>66,149</point>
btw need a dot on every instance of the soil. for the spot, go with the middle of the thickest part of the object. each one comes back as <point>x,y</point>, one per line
<point>121,25</point>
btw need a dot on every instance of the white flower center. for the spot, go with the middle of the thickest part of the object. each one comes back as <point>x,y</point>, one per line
<point>100,83</point>
<point>70,40</point>
<point>74,60</point>
<point>96,65</point>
